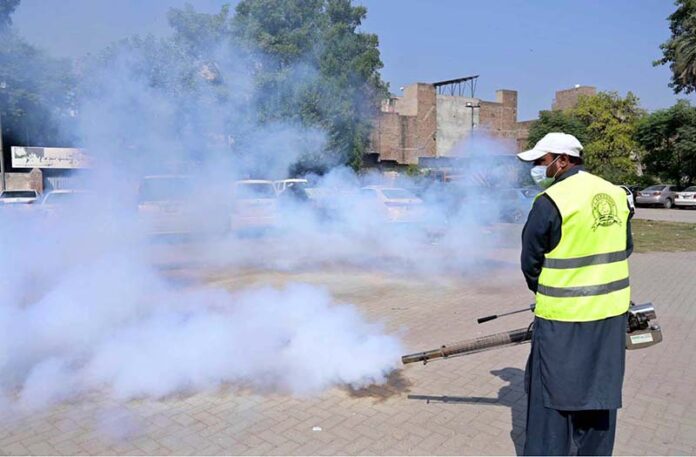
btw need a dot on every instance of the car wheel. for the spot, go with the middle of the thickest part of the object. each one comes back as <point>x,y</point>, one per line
<point>667,204</point>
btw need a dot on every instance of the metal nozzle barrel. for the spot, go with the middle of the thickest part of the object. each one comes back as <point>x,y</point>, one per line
<point>471,346</point>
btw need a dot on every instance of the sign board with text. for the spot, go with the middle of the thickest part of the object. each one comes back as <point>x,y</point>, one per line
<point>35,157</point>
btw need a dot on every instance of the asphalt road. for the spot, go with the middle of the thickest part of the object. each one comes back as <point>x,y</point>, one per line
<point>671,215</point>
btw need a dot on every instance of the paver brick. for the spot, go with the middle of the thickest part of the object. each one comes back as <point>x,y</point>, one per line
<point>457,406</point>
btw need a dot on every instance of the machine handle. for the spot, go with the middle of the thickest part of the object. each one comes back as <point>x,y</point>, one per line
<point>481,320</point>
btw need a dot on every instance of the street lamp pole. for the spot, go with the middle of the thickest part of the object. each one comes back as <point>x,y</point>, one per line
<point>472,106</point>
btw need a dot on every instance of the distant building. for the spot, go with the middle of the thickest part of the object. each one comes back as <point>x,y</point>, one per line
<point>429,119</point>
<point>568,98</point>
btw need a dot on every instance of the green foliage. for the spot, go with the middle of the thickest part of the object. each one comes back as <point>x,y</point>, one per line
<point>413,170</point>
<point>199,35</point>
<point>36,94</point>
<point>556,121</point>
<point>680,50</point>
<point>316,68</point>
<point>605,125</point>
<point>610,149</point>
<point>669,137</point>
<point>7,7</point>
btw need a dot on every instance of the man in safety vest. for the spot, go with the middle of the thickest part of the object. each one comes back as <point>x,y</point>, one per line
<point>575,247</point>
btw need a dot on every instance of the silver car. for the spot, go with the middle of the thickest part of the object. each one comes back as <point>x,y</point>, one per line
<point>657,195</point>
<point>10,197</point>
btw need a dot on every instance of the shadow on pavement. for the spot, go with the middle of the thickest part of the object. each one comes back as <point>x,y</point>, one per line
<point>511,396</point>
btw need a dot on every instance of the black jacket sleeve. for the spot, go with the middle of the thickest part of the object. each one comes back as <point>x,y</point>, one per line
<point>541,234</point>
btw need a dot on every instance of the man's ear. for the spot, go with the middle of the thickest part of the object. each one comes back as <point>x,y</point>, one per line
<point>564,160</point>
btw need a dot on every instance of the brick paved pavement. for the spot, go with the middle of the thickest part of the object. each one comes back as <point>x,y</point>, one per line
<point>469,405</point>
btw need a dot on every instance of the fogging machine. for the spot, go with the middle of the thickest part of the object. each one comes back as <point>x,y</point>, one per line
<point>642,331</point>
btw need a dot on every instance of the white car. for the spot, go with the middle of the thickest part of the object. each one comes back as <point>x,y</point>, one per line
<point>629,197</point>
<point>400,205</point>
<point>174,205</point>
<point>57,201</point>
<point>10,197</point>
<point>686,198</point>
<point>162,204</point>
<point>254,205</point>
<point>61,197</point>
<point>284,184</point>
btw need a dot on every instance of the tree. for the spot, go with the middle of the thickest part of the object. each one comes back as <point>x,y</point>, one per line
<point>556,121</point>
<point>276,72</point>
<point>7,7</point>
<point>610,149</point>
<point>605,125</point>
<point>316,68</point>
<point>669,138</point>
<point>680,50</point>
<point>35,89</point>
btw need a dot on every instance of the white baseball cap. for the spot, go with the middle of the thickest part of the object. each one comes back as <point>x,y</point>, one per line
<point>554,143</point>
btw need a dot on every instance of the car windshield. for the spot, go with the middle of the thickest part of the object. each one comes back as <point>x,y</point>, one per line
<point>690,189</point>
<point>397,194</point>
<point>18,194</point>
<point>165,189</point>
<point>62,198</point>
<point>255,190</point>
<point>655,188</point>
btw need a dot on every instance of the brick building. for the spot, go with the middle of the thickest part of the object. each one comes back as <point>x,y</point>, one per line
<point>568,98</point>
<point>430,119</point>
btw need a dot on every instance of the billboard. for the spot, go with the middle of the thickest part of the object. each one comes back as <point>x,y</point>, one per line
<point>33,157</point>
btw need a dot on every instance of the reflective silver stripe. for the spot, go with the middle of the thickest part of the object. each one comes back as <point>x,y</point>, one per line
<point>584,291</point>
<point>577,262</point>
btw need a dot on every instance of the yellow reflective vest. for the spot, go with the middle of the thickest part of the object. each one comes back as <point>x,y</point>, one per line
<point>585,277</point>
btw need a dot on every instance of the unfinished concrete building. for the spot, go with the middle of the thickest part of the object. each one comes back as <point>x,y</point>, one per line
<point>431,119</point>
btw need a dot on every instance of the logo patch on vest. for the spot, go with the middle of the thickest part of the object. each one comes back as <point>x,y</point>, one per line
<point>604,211</point>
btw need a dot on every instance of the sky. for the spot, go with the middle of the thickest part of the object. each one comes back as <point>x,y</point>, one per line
<point>535,47</point>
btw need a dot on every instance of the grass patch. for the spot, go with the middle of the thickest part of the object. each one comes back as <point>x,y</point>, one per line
<point>660,236</point>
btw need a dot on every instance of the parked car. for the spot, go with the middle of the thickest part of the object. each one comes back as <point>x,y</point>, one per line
<point>329,203</point>
<point>294,184</point>
<point>657,195</point>
<point>58,201</point>
<point>516,203</point>
<point>686,198</point>
<point>173,205</point>
<point>633,189</point>
<point>399,205</point>
<point>11,197</point>
<point>254,205</point>
<point>629,195</point>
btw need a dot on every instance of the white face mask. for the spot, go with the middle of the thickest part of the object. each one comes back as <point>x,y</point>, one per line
<point>539,175</point>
